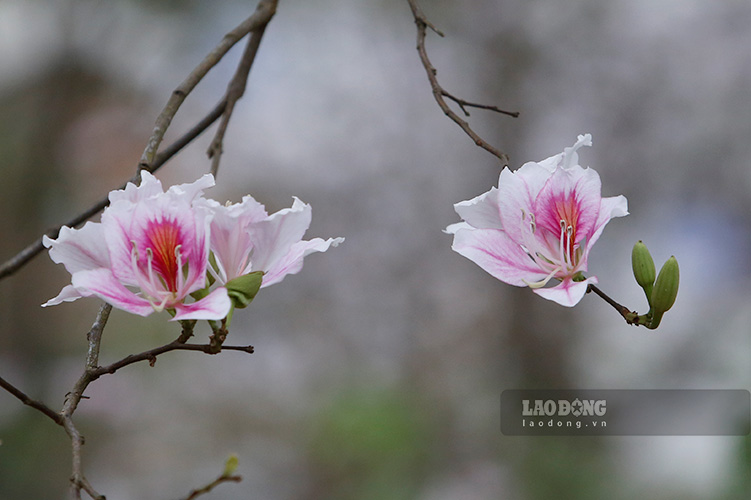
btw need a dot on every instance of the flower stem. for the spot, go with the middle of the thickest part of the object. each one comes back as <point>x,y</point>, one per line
<point>631,317</point>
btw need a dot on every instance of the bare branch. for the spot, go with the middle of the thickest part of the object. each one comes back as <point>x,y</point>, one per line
<point>37,405</point>
<point>263,14</point>
<point>235,91</point>
<point>216,482</point>
<point>439,93</point>
<point>631,317</point>
<point>152,161</point>
<point>151,354</point>
<point>78,481</point>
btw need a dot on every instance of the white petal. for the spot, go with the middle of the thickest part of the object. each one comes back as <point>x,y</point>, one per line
<point>79,249</point>
<point>482,211</point>
<point>272,238</point>
<point>292,262</point>
<point>567,293</point>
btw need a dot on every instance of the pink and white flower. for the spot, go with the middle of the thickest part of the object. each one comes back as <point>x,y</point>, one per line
<point>149,253</point>
<point>245,239</point>
<point>539,225</point>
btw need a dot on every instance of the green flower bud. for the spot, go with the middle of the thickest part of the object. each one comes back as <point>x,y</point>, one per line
<point>644,268</point>
<point>230,466</point>
<point>243,289</point>
<point>666,287</point>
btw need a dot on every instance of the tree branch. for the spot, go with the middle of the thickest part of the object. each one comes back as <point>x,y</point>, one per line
<point>150,160</point>
<point>205,489</point>
<point>235,90</point>
<point>263,14</point>
<point>440,94</point>
<point>631,317</point>
<point>78,481</point>
<point>151,354</point>
<point>37,405</point>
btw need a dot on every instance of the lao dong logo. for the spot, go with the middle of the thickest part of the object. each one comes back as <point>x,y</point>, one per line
<point>563,408</point>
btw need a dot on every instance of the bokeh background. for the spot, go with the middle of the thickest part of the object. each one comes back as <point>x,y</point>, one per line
<point>378,369</point>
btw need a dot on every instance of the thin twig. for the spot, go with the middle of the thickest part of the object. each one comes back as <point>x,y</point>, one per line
<point>205,489</point>
<point>78,481</point>
<point>151,354</point>
<point>235,91</point>
<point>37,405</point>
<point>439,93</point>
<point>263,14</point>
<point>631,317</point>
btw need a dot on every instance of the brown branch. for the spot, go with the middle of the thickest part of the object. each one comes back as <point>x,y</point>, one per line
<point>78,481</point>
<point>150,160</point>
<point>221,479</point>
<point>37,405</point>
<point>631,317</point>
<point>263,14</point>
<point>235,90</point>
<point>151,354</point>
<point>439,93</point>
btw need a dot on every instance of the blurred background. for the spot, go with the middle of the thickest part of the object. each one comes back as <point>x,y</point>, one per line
<point>378,369</point>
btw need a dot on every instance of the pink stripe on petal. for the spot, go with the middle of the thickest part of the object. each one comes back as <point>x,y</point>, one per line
<point>102,283</point>
<point>497,254</point>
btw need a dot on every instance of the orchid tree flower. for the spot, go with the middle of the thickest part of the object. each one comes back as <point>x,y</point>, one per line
<point>539,225</point>
<point>149,252</point>
<point>245,239</point>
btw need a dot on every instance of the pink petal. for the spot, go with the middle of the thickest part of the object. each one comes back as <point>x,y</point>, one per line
<point>102,282</point>
<point>498,254</point>
<point>567,293</point>
<point>576,191</point>
<point>292,262</point>
<point>215,305</point>
<point>614,206</point>
<point>517,192</point>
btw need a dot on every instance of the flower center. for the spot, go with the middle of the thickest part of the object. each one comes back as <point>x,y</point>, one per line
<point>161,276</point>
<point>163,251</point>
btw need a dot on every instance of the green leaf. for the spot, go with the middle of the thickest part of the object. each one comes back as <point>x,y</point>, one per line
<point>243,289</point>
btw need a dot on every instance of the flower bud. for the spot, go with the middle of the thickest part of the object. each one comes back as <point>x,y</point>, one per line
<point>666,287</point>
<point>230,466</point>
<point>644,268</point>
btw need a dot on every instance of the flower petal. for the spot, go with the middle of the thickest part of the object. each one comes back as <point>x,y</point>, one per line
<point>498,254</point>
<point>569,158</point>
<point>69,293</point>
<point>272,238</point>
<point>102,283</point>
<point>215,306</point>
<point>79,249</point>
<point>150,186</point>
<point>567,293</point>
<point>517,192</point>
<point>292,262</point>
<point>482,211</point>
<point>614,206</point>
<point>572,195</point>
